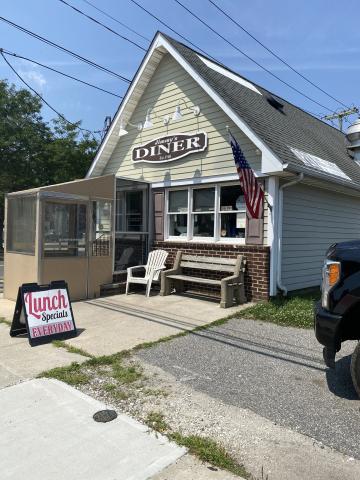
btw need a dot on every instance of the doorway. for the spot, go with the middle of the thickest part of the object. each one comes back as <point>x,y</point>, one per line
<point>131,224</point>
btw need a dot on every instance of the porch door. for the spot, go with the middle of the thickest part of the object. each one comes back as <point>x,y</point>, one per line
<point>131,224</point>
<point>64,244</point>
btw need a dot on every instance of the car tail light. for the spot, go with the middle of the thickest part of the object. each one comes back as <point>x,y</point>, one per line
<point>330,277</point>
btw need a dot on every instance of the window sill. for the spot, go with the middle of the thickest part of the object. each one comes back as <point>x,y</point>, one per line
<point>240,241</point>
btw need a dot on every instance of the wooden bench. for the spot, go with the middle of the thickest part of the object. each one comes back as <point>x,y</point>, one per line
<point>231,286</point>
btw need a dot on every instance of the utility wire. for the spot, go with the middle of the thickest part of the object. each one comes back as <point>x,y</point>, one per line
<point>248,56</point>
<point>116,20</point>
<point>277,56</point>
<point>63,49</point>
<point>44,101</point>
<point>172,30</point>
<point>103,25</point>
<point>6,52</point>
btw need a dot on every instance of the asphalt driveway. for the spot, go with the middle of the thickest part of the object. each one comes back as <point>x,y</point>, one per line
<point>276,372</point>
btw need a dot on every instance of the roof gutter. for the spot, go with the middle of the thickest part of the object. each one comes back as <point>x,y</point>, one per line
<point>279,283</point>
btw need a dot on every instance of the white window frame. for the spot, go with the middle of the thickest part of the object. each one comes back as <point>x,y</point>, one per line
<point>217,216</point>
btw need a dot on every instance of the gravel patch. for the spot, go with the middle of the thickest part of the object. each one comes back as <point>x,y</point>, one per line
<point>253,440</point>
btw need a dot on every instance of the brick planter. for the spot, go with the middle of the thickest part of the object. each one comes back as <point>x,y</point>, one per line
<point>257,274</point>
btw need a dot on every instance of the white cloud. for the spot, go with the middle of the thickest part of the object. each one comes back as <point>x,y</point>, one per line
<point>36,79</point>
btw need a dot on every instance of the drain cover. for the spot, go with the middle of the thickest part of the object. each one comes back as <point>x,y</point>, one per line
<point>104,416</point>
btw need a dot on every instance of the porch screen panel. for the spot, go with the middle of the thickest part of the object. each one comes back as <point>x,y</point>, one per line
<point>64,230</point>
<point>101,228</point>
<point>21,224</point>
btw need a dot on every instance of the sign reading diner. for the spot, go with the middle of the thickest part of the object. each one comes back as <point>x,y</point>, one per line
<point>170,147</point>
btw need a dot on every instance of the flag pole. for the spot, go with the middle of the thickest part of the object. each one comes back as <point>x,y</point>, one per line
<point>265,199</point>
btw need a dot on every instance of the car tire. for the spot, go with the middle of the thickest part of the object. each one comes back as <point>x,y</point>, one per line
<point>355,368</point>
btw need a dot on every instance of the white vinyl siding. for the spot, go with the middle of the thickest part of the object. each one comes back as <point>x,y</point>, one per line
<point>313,219</point>
<point>169,83</point>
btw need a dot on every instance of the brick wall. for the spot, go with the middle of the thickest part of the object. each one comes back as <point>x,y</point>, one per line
<point>257,274</point>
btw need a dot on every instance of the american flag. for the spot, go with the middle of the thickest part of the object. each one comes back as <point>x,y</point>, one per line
<point>253,192</point>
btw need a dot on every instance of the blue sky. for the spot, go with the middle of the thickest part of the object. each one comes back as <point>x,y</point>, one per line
<point>320,38</point>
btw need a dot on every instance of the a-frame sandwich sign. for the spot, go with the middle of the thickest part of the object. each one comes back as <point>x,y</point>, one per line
<point>44,313</point>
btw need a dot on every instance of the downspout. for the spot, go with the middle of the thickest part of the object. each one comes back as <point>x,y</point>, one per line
<point>279,283</point>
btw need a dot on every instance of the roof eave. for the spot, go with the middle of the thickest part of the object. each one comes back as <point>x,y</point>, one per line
<point>322,176</point>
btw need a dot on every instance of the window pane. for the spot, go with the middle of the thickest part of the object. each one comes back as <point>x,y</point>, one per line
<point>21,219</point>
<point>64,230</point>
<point>204,200</point>
<point>178,201</point>
<point>101,228</point>
<point>232,198</point>
<point>101,218</point>
<point>178,225</point>
<point>232,225</point>
<point>134,211</point>
<point>203,225</point>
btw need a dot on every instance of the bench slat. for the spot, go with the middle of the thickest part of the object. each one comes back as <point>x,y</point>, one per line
<point>208,266</point>
<point>186,278</point>
<point>204,259</point>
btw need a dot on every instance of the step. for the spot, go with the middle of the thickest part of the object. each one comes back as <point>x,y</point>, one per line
<point>113,288</point>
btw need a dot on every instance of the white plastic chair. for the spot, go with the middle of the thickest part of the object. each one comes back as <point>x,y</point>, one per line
<point>155,263</point>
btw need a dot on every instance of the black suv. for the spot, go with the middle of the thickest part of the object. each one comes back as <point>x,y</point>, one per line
<point>337,315</point>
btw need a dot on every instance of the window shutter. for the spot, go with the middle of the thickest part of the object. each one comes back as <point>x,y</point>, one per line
<point>159,205</point>
<point>254,231</point>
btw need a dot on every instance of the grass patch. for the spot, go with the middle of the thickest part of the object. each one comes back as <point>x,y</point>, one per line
<point>77,374</point>
<point>125,374</point>
<point>207,450</point>
<point>70,348</point>
<point>155,392</point>
<point>107,360</point>
<point>143,346</point>
<point>5,322</point>
<point>112,389</point>
<point>156,421</point>
<point>71,374</point>
<point>293,311</point>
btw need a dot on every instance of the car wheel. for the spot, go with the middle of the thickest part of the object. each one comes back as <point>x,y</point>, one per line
<point>355,368</point>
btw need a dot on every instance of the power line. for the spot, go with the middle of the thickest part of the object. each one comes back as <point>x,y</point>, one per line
<point>248,56</point>
<point>63,49</point>
<point>43,100</point>
<point>276,56</point>
<point>172,30</point>
<point>116,20</point>
<point>6,52</point>
<point>103,25</point>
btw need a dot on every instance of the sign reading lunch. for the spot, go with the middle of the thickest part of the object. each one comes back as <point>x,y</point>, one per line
<point>43,312</point>
<point>48,312</point>
<point>170,147</point>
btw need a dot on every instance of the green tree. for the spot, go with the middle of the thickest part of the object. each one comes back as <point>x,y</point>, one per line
<point>34,152</point>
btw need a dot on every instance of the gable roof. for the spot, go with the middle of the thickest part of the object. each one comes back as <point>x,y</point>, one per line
<point>292,138</point>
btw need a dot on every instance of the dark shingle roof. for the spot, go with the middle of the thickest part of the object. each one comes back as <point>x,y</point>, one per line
<point>290,127</point>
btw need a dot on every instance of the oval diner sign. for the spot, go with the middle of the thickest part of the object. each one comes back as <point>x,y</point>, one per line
<point>170,147</point>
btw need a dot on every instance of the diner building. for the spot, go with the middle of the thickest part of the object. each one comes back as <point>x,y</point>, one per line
<point>164,177</point>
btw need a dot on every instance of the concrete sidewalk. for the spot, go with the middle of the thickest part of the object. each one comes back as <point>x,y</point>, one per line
<point>19,361</point>
<point>105,325</point>
<point>47,431</point>
<point>110,324</point>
